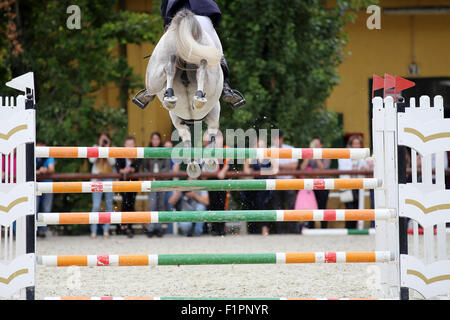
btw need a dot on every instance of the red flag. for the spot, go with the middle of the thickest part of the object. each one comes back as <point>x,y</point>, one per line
<point>377,83</point>
<point>402,84</point>
<point>389,83</point>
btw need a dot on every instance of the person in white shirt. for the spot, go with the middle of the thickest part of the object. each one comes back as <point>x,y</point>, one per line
<point>100,166</point>
<point>190,201</point>
<point>354,141</point>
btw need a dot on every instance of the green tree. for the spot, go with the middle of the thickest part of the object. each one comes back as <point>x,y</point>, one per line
<point>71,66</point>
<point>283,56</point>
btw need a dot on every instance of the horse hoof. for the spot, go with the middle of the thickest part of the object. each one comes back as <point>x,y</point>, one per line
<point>211,165</point>
<point>193,170</point>
<point>199,102</point>
<point>170,102</point>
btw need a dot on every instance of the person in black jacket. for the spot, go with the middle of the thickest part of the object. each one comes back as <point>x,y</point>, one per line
<point>217,199</point>
<point>155,199</point>
<point>127,166</point>
<point>207,8</point>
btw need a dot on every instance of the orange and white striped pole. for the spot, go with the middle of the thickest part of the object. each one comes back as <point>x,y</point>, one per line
<point>213,259</point>
<point>54,218</point>
<point>211,185</point>
<point>189,153</point>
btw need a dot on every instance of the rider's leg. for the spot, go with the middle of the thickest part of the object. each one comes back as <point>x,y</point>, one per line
<point>233,97</point>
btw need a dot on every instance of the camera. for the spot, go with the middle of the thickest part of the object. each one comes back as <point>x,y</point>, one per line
<point>104,142</point>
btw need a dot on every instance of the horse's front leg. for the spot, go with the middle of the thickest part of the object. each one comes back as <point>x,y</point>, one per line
<point>170,100</point>
<point>199,97</point>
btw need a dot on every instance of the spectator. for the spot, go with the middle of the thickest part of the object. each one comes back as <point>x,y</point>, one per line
<point>9,173</point>
<point>44,202</point>
<point>124,167</point>
<point>370,166</point>
<point>409,173</point>
<point>174,167</point>
<point>321,195</point>
<point>190,201</point>
<point>155,199</point>
<point>257,200</point>
<point>284,199</point>
<point>408,165</point>
<point>354,141</point>
<point>433,165</point>
<point>102,166</point>
<point>11,178</point>
<point>217,199</point>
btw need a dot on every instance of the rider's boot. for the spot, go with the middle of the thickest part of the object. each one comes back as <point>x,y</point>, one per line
<point>143,98</point>
<point>231,96</point>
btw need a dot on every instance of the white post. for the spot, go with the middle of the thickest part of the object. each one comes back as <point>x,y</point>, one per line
<point>385,167</point>
<point>18,255</point>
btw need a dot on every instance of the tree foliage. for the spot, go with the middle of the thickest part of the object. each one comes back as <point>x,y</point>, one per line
<point>72,66</point>
<point>283,56</point>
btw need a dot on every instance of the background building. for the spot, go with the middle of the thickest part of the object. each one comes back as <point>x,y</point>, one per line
<point>413,43</point>
<point>414,36</point>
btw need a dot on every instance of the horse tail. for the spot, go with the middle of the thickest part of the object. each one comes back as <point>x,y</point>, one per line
<point>187,33</point>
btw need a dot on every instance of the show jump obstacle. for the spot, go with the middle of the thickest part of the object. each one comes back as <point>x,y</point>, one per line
<point>424,199</point>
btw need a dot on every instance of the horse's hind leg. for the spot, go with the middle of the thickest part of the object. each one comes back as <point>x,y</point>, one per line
<point>183,129</point>
<point>170,100</point>
<point>199,97</point>
<point>212,120</point>
<point>193,168</point>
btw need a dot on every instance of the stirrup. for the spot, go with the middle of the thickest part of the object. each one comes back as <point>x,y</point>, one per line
<point>240,103</point>
<point>139,103</point>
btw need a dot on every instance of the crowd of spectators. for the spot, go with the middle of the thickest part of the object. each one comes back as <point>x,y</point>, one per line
<point>211,200</point>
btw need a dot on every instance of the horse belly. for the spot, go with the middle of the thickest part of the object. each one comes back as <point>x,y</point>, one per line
<point>185,95</point>
<point>184,108</point>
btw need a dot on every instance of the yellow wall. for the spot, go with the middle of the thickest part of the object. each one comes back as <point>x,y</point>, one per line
<point>141,123</point>
<point>388,50</point>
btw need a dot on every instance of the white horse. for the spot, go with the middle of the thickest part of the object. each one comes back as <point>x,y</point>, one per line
<point>191,91</point>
